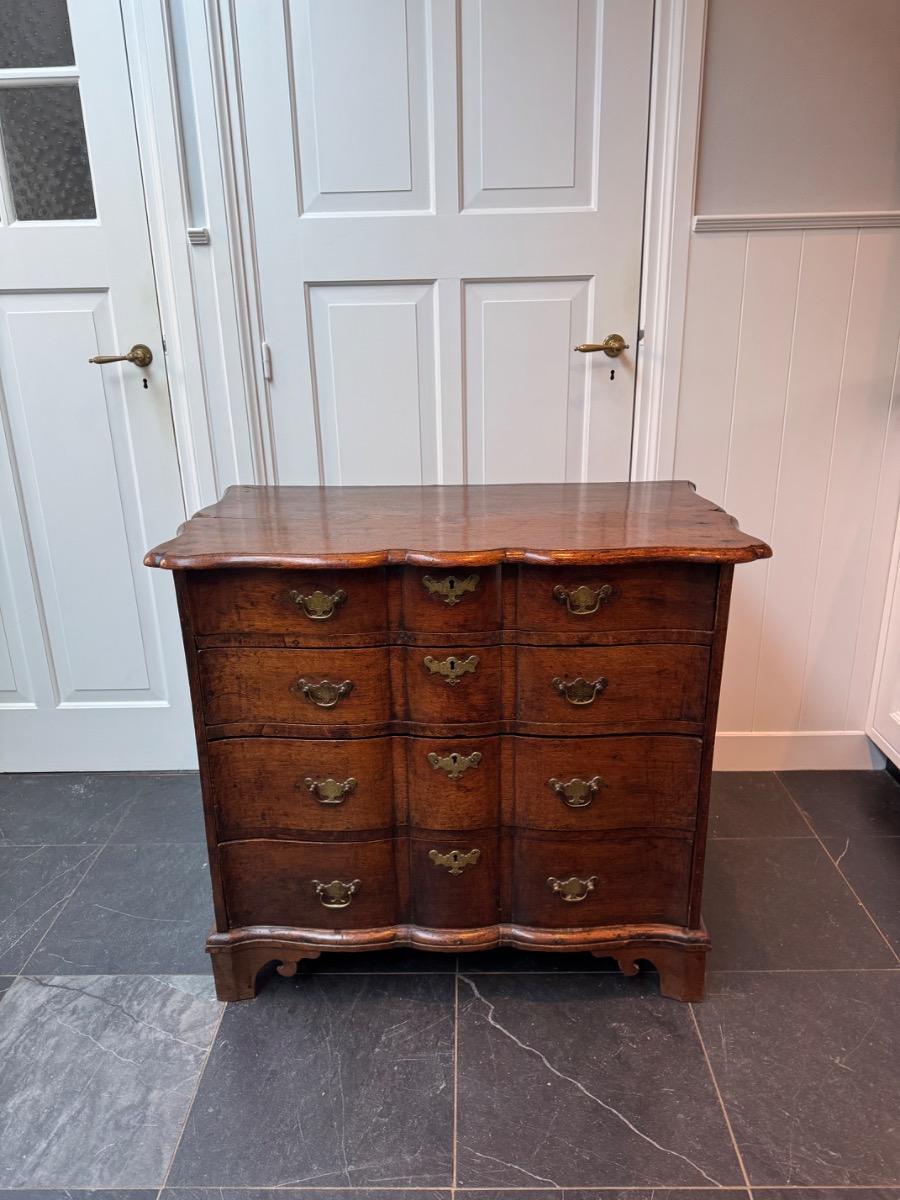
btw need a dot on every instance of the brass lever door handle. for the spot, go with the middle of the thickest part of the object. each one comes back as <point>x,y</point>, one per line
<point>613,345</point>
<point>139,354</point>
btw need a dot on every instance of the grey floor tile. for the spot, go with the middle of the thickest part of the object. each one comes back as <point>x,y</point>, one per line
<point>139,910</point>
<point>82,1194</point>
<point>165,808</point>
<point>852,1193</point>
<point>340,1081</point>
<point>241,1193</point>
<point>580,1081</point>
<point>98,1077</point>
<point>612,1194</point>
<point>6,982</point>
<point>807,1067</point>
<point>846,802</point>
<point>62,808</point>
<point>35,884</point>
<point>872,865</point>
<point>773,903</point>
<point>752,804</point>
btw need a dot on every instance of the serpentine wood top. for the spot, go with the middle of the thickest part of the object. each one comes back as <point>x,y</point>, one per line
<point>469,525</point>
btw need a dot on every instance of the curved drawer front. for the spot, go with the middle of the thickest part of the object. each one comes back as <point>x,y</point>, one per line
<point>284,788</point>
<point>453,686</point>
<point>455,879</point>
<point>310,885</point>
<point>461,600</point>
<point>315,605</point>
<point>597,783</point>
<point>589,600</point>
<point>268,686</point>
<point>454,783</point>
<point>568,881</point>
<point>615,687</point>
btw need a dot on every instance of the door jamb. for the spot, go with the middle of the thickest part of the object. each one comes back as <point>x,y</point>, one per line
<point>675,93</point>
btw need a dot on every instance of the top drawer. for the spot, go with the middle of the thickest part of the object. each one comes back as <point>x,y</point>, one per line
<point>590,600</point>
<point>307,605</point>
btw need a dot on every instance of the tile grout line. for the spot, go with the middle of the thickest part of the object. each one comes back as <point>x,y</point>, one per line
<point>837,867</point>
<point>721,1099</point>
<point>190,1107</point>
<point>126,809</point>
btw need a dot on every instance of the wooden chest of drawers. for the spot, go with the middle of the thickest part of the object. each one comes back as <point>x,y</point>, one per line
<point>456,718</point>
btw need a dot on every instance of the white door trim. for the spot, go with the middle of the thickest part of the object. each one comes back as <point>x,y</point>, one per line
<point>231,288</point>
<point>679,35</point>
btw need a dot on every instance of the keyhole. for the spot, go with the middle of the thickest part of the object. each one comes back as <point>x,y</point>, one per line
<point>146,385</point>
<point>612,375</point>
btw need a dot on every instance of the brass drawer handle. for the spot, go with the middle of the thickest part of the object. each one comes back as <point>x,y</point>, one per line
<point>325,694</point>
<point>580,690</point>
<point>583,600</point>
<point>572,890</point>
<point>455,861</point>
<point>577,793</point>
<point>455,765</point>
<point>329,791</point>
<point>319,606</point>
<point>336,894</point>
<point>451,669</point>
<point>451,588</point>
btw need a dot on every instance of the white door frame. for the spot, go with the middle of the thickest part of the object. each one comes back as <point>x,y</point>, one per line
<point>209,289</point>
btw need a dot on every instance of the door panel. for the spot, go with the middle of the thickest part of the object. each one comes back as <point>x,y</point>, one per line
<point>471,174</point>
<point>90,660</point>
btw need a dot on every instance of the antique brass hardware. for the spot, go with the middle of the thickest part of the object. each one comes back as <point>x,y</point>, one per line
<point>455,765</point>
<point>451,669</point>
<point>455,861</point>
<point>329,791</point>
<point>580,690</point>
<point>613,345</point>
<point>451,588</point>
<point>577,793</point>
<point>319,606</point>
<point>583,600</point>
<point>336,894</point>
<point>325,694</point>
<point>139,354</point>
<point>572,890</point>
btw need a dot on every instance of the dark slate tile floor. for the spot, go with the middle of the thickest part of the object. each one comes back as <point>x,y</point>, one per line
<point>480,1077</point>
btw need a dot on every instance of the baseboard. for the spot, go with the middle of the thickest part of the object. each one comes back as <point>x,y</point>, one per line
<point>825,750</point>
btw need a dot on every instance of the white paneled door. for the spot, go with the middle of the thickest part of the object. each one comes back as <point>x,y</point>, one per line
<point>90,660</point>
<point>447,198</point>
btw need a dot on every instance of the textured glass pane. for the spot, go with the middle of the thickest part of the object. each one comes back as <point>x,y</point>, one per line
<point>46,154</point>
<point>35,33</point>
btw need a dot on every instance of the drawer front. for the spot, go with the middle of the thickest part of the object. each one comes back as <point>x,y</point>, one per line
<point>284,788</point>
<point>268,686</point>
<point>621,598</point>
<point>285,883</point>
<point>451,601</point>
<point>453,783</point>
<point>450,686</point>
<point>612,879</point>
<point>628,687</point>
<point>588,784</point>
<point>322,605</point>
<point>455,879</point>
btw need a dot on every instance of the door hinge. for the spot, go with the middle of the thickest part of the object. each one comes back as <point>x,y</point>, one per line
<point>266,361</point>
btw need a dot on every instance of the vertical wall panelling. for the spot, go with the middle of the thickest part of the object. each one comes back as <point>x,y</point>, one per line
<point>785,417</point>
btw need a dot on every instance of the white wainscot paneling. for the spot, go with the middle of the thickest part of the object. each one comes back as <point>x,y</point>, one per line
<point>74,518</point>
<point>788,417</point>
<point>373,349</point>
<point>519,337</point>
<point>362,115</point>
<point>529,125</point>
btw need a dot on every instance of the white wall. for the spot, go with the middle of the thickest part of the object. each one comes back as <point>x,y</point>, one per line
<point>801,107</point>
<point>788,409</point>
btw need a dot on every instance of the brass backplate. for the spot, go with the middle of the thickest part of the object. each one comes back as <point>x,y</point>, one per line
<point>455,861</point>
<point>451,588</point>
